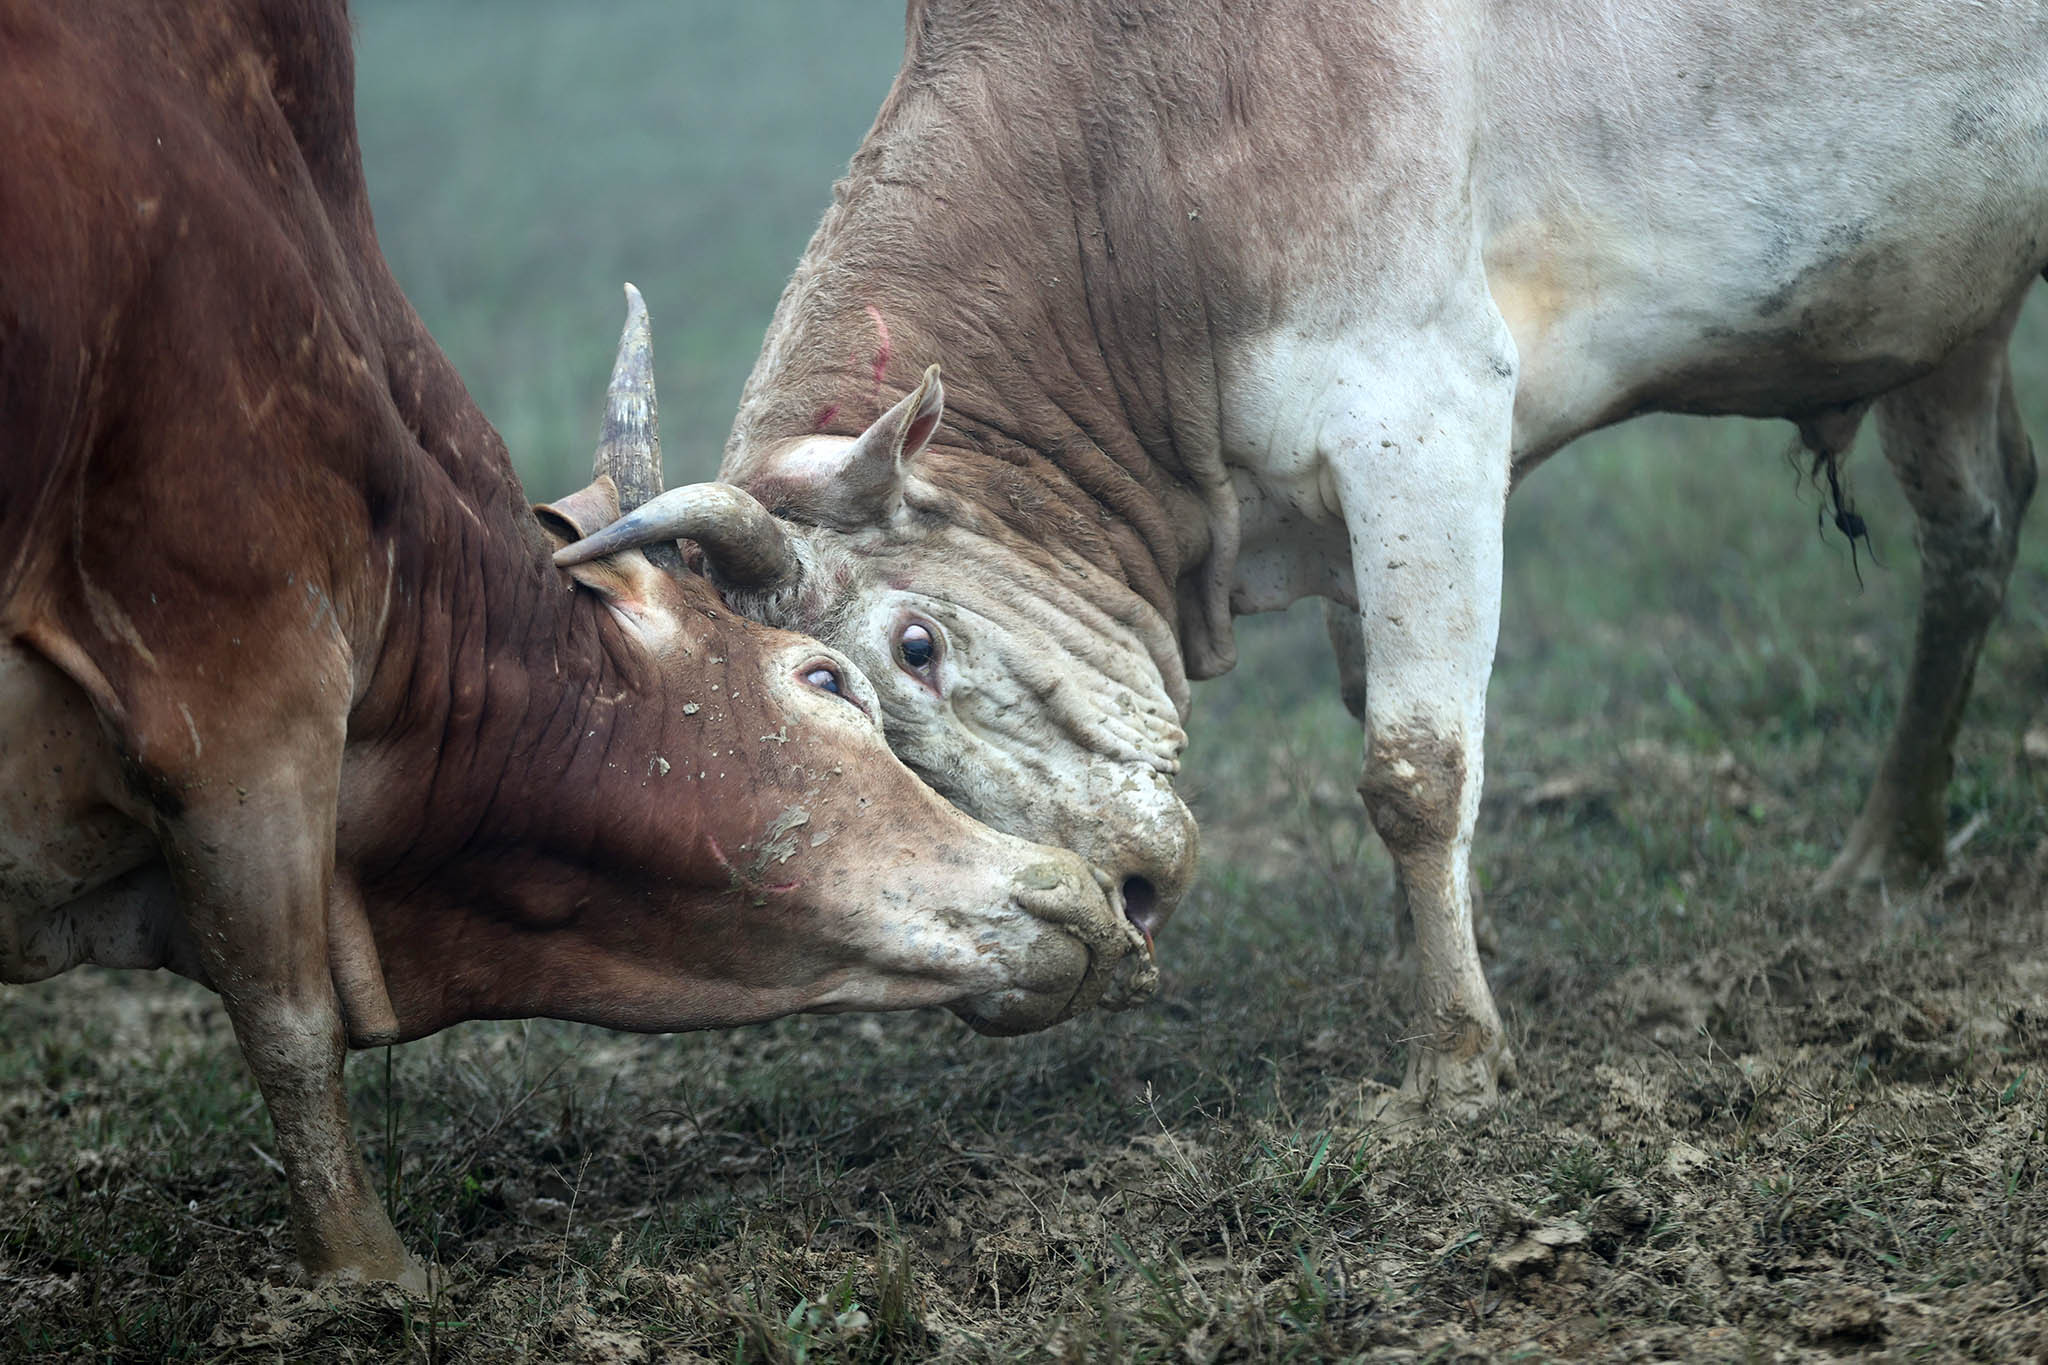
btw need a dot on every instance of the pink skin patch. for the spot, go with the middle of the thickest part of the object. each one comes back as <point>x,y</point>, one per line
<point>877,368</point>
<point>882,351</point>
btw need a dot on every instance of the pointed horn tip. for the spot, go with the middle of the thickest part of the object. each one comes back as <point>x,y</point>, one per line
<point>636,313</point>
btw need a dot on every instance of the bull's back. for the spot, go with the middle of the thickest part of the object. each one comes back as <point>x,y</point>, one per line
<point>180,305</point>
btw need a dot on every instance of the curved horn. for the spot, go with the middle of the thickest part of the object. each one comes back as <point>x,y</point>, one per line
<point>629,442</point>
<point>743,541</point>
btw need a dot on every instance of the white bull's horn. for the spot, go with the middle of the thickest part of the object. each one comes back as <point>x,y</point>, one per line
<point>743,542</point>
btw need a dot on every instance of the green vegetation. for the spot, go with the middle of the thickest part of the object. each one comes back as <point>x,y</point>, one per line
<point>1751,1123</point>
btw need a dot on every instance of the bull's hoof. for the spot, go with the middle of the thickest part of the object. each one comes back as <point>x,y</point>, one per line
<point>1439,1086</point>
<point>406,1272</point>
<point>1868,860</point>
<point>364,1249</point>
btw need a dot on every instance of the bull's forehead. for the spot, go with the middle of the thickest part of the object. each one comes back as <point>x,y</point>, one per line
<point>805,459</point>
<point>1017,643</point>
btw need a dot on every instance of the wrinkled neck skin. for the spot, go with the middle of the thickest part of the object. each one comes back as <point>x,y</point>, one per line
<point>463,713</point>
<point>494,823</point>
<point>503,848</point>
<point>1076,318</point>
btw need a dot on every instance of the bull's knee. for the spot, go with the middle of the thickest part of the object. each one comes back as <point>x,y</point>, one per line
<point>1414,788</point>
<point>1968,557</point>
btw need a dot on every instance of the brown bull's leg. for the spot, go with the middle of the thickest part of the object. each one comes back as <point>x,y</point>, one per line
<point>1955,440</point>
<point>253,873</point>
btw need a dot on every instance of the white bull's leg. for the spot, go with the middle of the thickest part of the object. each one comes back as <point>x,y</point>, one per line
<point>253,877</point>
<point>1422,475</point>
<point>1347,641</point>
<point>1955,440</point>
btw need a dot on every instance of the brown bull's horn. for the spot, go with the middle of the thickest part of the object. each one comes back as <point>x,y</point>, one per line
<point>629,443</point>
<point>744,544</point>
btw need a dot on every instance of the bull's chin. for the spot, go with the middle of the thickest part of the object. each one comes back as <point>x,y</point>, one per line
<point>1133,981</point>
<point>1015,1012</point>
<point>1128,980</point>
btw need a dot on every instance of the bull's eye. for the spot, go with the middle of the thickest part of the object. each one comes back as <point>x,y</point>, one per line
<point>825,679</point>
<point>916,648</point>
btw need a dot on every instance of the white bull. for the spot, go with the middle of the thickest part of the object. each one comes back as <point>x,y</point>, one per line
<point>1245,302</point>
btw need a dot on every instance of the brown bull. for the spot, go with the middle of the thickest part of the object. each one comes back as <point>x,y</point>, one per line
<point>292,699</point>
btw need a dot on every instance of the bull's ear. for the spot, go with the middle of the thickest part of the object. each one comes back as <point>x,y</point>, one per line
<point>585,512</point>
<point>862,484</point>
<point>644,598</point>
<point>626,580</point>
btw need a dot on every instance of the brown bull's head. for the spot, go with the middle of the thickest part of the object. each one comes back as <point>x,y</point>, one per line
<point>851,866</point>
<point>1037,693</point>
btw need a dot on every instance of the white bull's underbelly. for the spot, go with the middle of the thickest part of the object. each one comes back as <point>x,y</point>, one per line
<point>80,881</point>
<point>1853,311</point>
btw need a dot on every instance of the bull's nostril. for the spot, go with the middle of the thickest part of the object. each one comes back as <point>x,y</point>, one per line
<point>1141,904</point>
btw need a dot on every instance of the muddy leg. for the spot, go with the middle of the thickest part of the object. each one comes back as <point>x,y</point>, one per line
<point>1956,443</point>
<point>252,878</point>
<point>1347,640</point>
<point>1424,489</point>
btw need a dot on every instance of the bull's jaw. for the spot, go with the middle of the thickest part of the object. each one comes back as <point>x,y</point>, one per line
<point>1014,938</point>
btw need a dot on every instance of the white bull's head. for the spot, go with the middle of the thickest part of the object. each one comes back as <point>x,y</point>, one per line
<point>1034,689</point>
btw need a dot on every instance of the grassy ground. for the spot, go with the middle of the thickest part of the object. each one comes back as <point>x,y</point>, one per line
<point>1752,1124</point>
